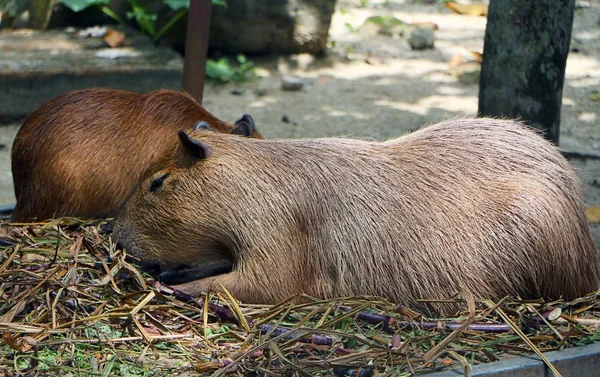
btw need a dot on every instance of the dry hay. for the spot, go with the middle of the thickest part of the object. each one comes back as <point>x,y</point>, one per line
<point>71,304</point>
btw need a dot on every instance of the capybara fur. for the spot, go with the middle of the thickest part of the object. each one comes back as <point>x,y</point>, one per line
<point>479,205</point>
<point>82,153</point>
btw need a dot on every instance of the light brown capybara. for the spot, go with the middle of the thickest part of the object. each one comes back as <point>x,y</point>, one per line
<point>83,153</point>
<point>482,205</point>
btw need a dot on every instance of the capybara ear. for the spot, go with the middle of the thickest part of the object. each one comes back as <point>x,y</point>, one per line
<point>244,126</point>
<point>194,147</point>
<point>202,125</point>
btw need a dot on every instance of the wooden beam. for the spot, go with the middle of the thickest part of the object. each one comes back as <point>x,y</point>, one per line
<point>196,47</point>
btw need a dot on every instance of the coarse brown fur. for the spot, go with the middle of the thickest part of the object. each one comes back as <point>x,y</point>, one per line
<point>482,205</point>
<point>83,153</point>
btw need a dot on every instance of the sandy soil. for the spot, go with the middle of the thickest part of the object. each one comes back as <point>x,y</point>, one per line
<point>403,89</point>
<point>377,87</point>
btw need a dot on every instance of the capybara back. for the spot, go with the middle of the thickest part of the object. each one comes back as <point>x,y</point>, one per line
<point>481,205</point>
<point>83,153</point>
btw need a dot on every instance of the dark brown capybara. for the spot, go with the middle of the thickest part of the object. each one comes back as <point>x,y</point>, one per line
<point>482,205</point>
<point>83,153</point>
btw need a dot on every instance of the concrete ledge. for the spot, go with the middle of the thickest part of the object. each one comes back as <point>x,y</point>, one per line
<point>36,66</point>
<point>573,362</point>
<point>7,209</point>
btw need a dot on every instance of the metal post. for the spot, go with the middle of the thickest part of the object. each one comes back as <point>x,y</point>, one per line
<point>196,47</point>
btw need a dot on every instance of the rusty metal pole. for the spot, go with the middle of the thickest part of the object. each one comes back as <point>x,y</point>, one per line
<point>196,47</point>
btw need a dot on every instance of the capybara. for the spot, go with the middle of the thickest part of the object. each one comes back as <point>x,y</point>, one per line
<point>83,153</point>
<point>482,205</point>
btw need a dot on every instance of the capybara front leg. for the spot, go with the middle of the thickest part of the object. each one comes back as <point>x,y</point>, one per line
<point>233,282</point>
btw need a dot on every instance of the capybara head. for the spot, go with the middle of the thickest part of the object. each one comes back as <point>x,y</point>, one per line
<point>83,153</point>
<point>479,205</point>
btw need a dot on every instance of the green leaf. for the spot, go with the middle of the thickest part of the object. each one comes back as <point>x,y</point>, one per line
<point>241,58</point>
<point>79,5</point>
<point>221,3</point>
<point>178,4</point>
<point>185,4</point>
<point>219,70</point>
<point>144,18</point>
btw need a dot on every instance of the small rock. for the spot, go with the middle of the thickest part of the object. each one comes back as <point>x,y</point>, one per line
<point>575,46</point>
<point>369,29</point>
<point>237,91</point>
<point>260,91</point>
<point>285,119</point>
<point>116,53</point>
<point>93,31</point>
<point>291,83</point>
<point>421,38</point>
<point>2,147</point>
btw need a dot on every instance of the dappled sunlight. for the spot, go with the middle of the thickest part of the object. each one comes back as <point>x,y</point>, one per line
<point>587,117</point>
<point>587,36</point>
<point>263,102</point>
<point>567,101</point>
<point>397,67</point>
<point>582,66</point>
<point>331,111</point>
<point>450,90</point>
<point>454,104</point>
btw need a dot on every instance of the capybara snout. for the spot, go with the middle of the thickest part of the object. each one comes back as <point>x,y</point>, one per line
<point>83,153</point>
<point>481,205</point>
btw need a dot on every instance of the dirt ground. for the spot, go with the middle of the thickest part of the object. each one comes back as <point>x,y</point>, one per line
<point>377,87</point>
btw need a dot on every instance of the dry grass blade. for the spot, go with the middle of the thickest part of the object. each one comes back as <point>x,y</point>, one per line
<point>273,347</point>
<point>527,341</point>
<point>205,317</point>
<point>467,369</point>
<point>441,346</point>
<point>555,331</point>
<point>236,310</point>
<point>143,303</point>
<point>81,312</point>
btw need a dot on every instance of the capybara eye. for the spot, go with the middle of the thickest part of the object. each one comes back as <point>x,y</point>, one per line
<point>157,183</point>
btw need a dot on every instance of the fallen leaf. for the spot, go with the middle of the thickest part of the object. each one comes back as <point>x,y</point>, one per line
<point>455,60</point>
<point>477,56</point>
<point>465,57</point>
<point>468,9</point>
<point>373,60</point>
<point>554,314</point>
<point>13,342</point>
<point>467,72</point>
<point>593,214</point>
<point>113,38</point>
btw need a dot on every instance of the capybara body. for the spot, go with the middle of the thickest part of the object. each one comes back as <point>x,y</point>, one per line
<point>482,205</point>
<point>83,153</point>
